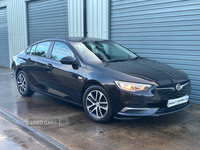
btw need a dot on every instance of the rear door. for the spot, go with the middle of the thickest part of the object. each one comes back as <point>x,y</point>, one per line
<point>61,79</point>
<point>36,62</point>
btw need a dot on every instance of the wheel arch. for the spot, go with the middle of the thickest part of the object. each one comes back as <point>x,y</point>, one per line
<point>87,85</point>
<point>104,118</point>
<point>17,71</point>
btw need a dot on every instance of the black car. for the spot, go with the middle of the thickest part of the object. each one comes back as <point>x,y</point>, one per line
<point>103,77</point>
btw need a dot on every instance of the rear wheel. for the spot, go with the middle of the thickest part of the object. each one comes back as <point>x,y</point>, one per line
<point>22,84</point>
<point>97,105</point>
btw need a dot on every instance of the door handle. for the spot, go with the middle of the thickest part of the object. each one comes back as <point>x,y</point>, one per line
<point>49,65</point>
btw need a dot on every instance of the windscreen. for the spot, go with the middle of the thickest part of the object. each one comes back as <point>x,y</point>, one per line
<point>103,51</point>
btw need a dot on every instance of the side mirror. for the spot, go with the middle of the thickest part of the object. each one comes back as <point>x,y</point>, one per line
<point>68,60</point>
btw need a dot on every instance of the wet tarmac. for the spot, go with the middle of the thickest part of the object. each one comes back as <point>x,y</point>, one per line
<point>12,138</point>
<point>69,125</point>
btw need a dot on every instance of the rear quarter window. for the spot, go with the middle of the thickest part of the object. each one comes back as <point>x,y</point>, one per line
<point>32,51</point>
<point>28,50</point>
<point>42,49</point>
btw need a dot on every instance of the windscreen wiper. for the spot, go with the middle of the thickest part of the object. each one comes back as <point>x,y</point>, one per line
<point>116,60</point>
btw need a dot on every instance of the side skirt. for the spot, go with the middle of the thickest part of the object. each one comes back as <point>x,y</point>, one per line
<point>69,101</point>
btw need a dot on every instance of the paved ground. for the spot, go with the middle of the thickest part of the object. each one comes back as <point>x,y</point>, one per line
<point>71,127</point>
<point>11,137</point>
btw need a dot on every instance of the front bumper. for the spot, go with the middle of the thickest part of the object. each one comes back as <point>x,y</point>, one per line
<point>127,105</point>
<point>151,112</point>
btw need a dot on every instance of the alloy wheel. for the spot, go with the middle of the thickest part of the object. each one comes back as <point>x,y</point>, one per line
<point>21,83</point>
<point>97,104</point>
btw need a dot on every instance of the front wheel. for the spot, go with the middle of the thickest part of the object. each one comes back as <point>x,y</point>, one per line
<point>22,84</point>
<point>97,105</point>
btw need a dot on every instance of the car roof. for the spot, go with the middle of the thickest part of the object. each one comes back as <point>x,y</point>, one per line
<point>72,39</point>
<point>79,39</point>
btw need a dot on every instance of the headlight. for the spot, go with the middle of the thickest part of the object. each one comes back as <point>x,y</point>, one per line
<point>134,87</point>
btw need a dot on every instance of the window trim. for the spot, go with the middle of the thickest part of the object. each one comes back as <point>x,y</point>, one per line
<point>47,50</point>
<point>27,49</point>
<point>67,46</point>
<point>47,55</point>
<point>34,50</point>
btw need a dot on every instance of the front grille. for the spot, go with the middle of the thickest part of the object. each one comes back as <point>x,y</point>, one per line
<point>166,94</point>
<point>174,108</point>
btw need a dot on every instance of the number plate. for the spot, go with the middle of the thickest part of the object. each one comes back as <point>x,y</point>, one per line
<point>177,101</point>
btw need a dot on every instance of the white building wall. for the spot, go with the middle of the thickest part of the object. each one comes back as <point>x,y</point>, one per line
<point>75,18</point>
<point>98,18</point>
<point>97,21</point>
<point>17,27</point>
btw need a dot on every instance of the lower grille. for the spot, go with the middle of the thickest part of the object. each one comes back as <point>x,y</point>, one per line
<point>174,108</point>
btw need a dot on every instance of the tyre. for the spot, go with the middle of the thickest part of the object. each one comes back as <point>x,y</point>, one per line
<point>22,84</point>
<point>97,105</point>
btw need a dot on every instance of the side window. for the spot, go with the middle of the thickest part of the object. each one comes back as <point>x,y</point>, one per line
<point>61,50</point>
<point>42,49</point>
<point>32,51</point>
<point>28,50</point>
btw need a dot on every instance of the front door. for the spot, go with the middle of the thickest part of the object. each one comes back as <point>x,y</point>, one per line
<point>61,79</point>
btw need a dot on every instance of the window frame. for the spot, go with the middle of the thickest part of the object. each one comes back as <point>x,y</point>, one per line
<point>34,50</point>
<point>76,55</point>
<point>50,54</point>
<point>47,54</point>
<point>28,48</point>
<point>48,51</point>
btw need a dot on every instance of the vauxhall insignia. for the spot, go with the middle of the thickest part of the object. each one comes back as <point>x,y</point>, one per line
<point>115,86</point>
